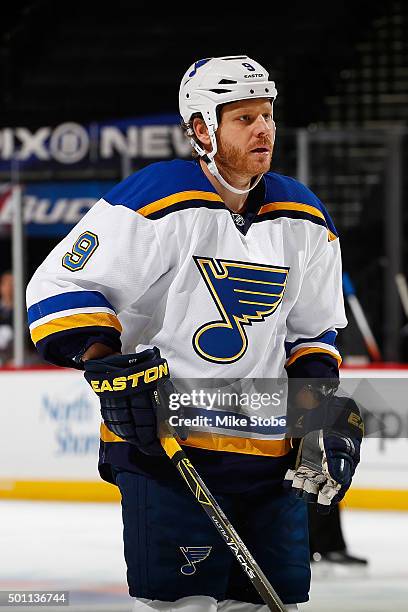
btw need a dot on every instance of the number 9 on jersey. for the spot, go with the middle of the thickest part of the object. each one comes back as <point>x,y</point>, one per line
<point>82,251</point>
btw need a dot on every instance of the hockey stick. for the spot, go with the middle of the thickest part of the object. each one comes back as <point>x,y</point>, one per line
<point>403,291</point>
<point>361,320</point>
<point>202,494</point>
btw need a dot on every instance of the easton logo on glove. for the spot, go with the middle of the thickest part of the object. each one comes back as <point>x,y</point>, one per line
<point>121,383</point>
<point>356,420</point>
<point>132,390</point>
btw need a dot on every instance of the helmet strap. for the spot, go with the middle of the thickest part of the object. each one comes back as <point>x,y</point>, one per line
<point>208,158</point>
<point>212,166</point>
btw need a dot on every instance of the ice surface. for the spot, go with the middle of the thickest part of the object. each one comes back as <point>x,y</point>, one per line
<point>382,538</point>
<point>78,547</point>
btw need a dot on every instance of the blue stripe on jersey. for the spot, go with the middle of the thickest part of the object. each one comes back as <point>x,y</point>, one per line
<point>281,188</point>
<point>157,181</point>
<point>326,338</point>
<point>67,301</point>
<point>162,179</point>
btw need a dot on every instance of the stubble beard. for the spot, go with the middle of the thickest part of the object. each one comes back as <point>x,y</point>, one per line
<point>231,160</point>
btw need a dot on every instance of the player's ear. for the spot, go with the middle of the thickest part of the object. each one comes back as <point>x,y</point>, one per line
<point>201,131</point>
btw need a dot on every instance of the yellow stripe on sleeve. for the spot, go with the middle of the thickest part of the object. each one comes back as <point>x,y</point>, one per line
<point>312,349</point>
<point>95,319</point>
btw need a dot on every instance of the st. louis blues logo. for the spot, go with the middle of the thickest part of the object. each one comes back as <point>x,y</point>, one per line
<point>193,554</point>
<point>243,293</point>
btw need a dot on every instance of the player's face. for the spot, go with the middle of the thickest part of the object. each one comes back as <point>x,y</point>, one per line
<point>245,137</point>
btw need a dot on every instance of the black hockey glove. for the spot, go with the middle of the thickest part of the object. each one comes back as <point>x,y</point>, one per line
<point>133,391</point>
<point>328,455</point>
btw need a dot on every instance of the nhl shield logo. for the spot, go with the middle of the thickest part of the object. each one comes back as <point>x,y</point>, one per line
<point>238,219</point>
<point>193,554</point>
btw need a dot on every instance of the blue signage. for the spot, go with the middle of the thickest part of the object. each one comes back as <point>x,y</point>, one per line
<point>51,209</point>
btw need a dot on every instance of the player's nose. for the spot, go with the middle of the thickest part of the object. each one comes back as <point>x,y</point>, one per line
<point>262,126</point>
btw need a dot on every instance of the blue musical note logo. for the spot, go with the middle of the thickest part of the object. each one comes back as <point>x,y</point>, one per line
<point>193,554</point>
<point>243,293</point>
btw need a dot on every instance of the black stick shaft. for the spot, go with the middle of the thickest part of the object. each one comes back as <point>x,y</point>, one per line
<point>209,504</point>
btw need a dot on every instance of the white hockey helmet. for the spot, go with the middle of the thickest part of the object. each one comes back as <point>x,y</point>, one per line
<point>219,80</point>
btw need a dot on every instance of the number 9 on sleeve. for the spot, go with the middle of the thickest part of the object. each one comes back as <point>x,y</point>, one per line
<point>82,251</point>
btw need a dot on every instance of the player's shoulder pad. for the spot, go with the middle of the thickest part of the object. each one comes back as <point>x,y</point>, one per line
<point>165,187</point>
<point>286,196</point>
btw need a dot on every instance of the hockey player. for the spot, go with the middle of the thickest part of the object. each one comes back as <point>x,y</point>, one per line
<point>214,268</point>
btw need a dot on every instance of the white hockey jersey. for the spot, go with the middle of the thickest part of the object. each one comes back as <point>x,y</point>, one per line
<point>161,261</point>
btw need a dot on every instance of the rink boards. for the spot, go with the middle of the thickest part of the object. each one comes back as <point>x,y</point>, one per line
<point>50,438</point>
